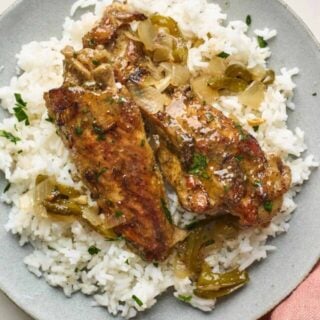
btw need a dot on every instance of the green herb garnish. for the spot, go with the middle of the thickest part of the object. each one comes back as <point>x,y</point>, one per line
<point>268,206</point>
<point>118,214</point>
<point>239,157</point>
<point>165,210</point>
<point>199,165</point>
<point>262,43</point>
<point>99,131</point>
<point>256,128</point>
<point>49,119</point>
<point>137,300</point>
<point>243,135</point>
<point>314,94</point>
<point>223,55</point>
<point>156,264</point>
<point>9,136</point>
<point>7,187</point>
<point>186,299</point>
<point>93,250</point>
<point>101,172</point>
<point>78,131</point>
<point>257,184</point>
<point>248,20</point>
<point>20,109</point>
<point>96,62</point>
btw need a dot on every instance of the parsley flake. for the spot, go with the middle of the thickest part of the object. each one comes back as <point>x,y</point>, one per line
<point>137,300</point>
<point>165,210</point>
<point>118,214</point>
<point>9,136</point>
<point>248,20</point>
<point>185,299</point>
<point>199,165</point>
<point>268,206</point>
<point>78,131</point>
<point>99,131</point>
<point>223,55</point>
<point>20,109</point>
<point>262,43</point>
<point>256,128</point>
<point>93,250</point>
<point>7,187</point>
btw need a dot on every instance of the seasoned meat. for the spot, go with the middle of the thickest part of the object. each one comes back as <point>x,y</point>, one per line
<point>228,172</point>
<point>106,136</point>
<point>116,16</point>
<point>212,162</point>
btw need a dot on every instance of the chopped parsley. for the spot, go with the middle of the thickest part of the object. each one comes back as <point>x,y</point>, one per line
<point>165,210</point>
<point>93,250</point>
<point>9,136</point>
<point>248,20</point>
<point>20,109</point>
<point>99,131</point>
<point>262,43</point>
<point>92,42</point>
<point>184,298</point>
<point>223,55</point>
<point>256,128</point>
<point>115,239</point>
<point>127,261</point>
<point>101,172</point>
<point>156,264</point>
<point>199,165</point>
<point>49,119</point>
<point>257,184</point>
<point>118,214</point>
<point>137,300</point>
<point>7,187</point>
<point>314,94</point>
<point>78,131</point>
<point>268,206</point>
<point>96,62</point>
<point>239,157</point>
<point>243,135</point>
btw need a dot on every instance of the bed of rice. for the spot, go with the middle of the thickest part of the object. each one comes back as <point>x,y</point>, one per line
<point>115,274</point>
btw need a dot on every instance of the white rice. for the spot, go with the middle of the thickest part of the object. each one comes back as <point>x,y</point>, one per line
<point>115,274</point>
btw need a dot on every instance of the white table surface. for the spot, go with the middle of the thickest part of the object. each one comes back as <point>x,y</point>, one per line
<point>308,10</point>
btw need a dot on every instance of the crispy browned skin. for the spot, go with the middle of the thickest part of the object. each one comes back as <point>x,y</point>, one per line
<point>116,16</point>
<point>238,177</point>
<point>106,136</point>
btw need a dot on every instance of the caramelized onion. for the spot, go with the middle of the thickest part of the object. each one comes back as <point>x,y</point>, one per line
<point>253,96</point>
<point>149,98</point>
<point>147,33</point>
<point>203,91</point>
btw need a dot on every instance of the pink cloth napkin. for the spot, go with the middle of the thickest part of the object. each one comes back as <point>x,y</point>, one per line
<point>303,303</point>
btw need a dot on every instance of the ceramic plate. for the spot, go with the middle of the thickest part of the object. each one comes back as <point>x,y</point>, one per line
<point>271,280</point>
